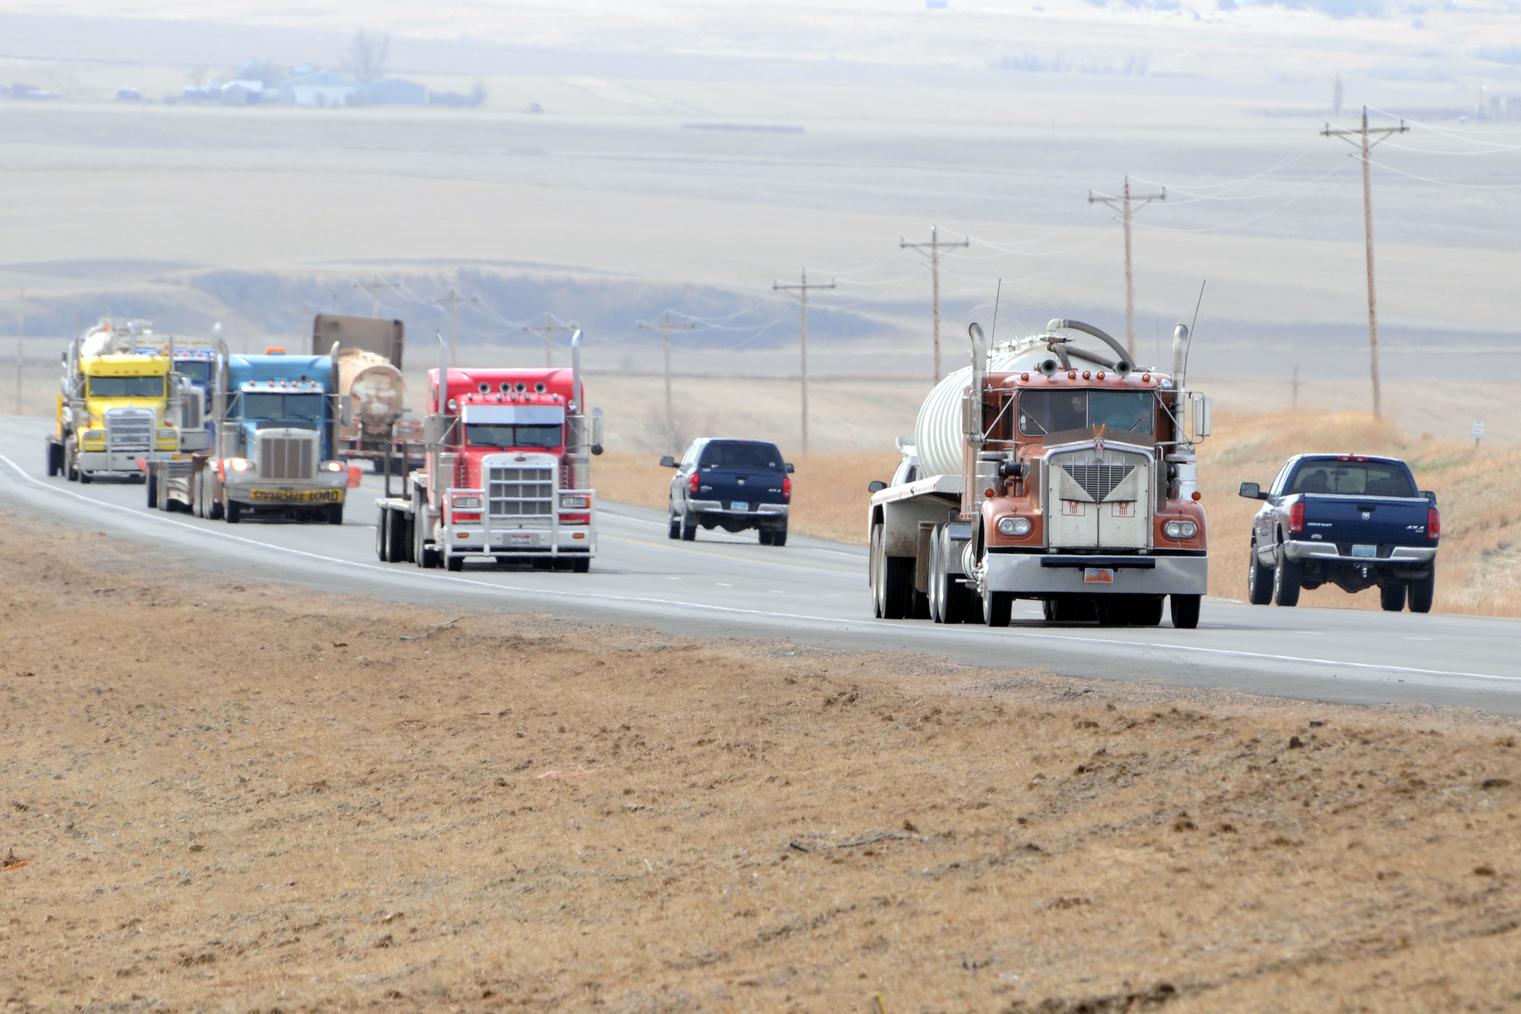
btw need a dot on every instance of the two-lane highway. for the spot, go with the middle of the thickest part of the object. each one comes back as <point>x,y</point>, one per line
<point>814,592</point>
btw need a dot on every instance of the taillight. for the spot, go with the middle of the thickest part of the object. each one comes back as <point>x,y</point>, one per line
<point>1433,523</point>
<point>1296,517</point>
<point>787,488</point>
<point>692,483</point>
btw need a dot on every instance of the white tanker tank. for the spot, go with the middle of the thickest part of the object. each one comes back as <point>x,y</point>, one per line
<point>376,389</point>
<point>369,352</point>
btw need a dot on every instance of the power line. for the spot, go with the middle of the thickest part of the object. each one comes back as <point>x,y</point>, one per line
<point>933,246</point>
<point>454,299</point>
<point>1363,133</point>
<point>665,326</point>
<point>374,288</point>
<point>549,330</point>
<point>802,291</point>
<point>1124,202</point>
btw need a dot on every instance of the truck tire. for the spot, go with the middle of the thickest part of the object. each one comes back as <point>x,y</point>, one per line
<point>581,565</point>
<point>232,511</point>
<point>454,562</point>
<point>675,527</point>
<point>1422,591</point>
<point>335,514</point>
<point>383,535</point>
<point>997,608</point>
<point>213,507</point>
<point>1392,597</point>
<point>1146,611</point>
<point>688,527</point>
<point>765,536</point>
<point>873,565</point>
<point>1285,580</point>
<point>85,478</point>
<point>898,590</point>
<point>400,534</point>
<point>779,537</point>
<point>1259,579</point>
<point>1185,611</point>
<point>936,582</point>
<point>152,489</point>
<point>55,458</point>
<point>70,460</point>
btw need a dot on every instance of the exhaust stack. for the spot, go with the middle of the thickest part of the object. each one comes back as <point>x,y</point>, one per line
<point>1181,340</point>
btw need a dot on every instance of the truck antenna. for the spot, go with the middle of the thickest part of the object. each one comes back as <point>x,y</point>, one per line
<point>1195,324</point>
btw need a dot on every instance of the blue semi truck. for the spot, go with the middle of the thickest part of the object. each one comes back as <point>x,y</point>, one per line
<point>275,417</point>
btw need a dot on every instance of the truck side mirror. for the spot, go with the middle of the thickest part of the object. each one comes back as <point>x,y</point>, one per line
<point>346,409</point>
<point>1252,491</point>
<point>1430,494</point>
<point>667,462</point>
<point>875,485</point>
<point>1204,412</point>
<point>788,467</point>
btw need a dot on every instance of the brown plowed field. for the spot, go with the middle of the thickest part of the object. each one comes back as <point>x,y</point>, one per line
<point>240,797</point>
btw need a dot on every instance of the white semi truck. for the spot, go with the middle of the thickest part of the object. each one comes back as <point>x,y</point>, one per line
<point>1047,470</point>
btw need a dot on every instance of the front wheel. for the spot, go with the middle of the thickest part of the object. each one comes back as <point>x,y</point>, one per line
<point>152,491</point>
<point>454,562</point>
<point>383,535</point>
<point>997,608</point>
<point>335,514</point>
<point>232,511</point>
<point>70,461</point>
<point>1285,580</point>
<point>1259,579</point>
<point>581,565</point>
<point>1392,597</point>
<point>1185,611</point>
<point>55,458</point>
<point>1422,591</point>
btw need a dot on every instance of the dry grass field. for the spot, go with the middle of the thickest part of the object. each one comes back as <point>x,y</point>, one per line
<point>233,797</point>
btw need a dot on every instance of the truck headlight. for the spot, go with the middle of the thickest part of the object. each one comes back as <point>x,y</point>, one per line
<point>579,501</point>
<point>1014,526</point>
<point>1180,530</point>
<point>166,434</point>
<point>469,502</point>
<point>333,466</point>
<point>94,435</point>
<point>238,464</point>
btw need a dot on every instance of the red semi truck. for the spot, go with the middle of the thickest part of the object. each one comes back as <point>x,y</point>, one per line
<point>506,473</point>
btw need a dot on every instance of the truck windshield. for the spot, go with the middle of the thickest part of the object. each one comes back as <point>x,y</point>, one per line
<point>508,435</point>
<point>196,370</point>
<point>1042,412</point>
<point>282,406</point>
<point>744,457</point>
<point>1353,478</point>
<point>126,387</point>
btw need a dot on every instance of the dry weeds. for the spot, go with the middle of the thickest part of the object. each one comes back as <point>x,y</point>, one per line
<point>240,797</point>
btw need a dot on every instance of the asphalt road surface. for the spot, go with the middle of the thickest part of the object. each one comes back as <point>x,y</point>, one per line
<point>814,592</point>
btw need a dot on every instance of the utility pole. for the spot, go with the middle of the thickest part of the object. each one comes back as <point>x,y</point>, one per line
<point>549,330</point>
<point>20,334</point>
<point>1295,384</point>
<point>1362,134</point>
<point>374,288</point>
<point>802,291</point>
<point>665,326</point>
<point>1123,203</point>
<point>453,301</point>
<point>933,246</point>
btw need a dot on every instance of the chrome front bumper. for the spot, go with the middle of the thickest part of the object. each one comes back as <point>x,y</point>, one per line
<point>118,461</point>
<point>481,541</point>
<point>1061,574</point>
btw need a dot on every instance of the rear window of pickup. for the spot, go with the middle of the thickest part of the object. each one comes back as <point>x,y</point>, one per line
<point>1351,478</point>
<point>746,457</point>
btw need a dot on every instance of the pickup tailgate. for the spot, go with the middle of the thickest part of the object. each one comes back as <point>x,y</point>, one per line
<point>1366,521</point>
<point>740,486</point>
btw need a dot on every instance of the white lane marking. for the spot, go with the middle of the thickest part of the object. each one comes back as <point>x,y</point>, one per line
<point>874,626</point>
<point>858,554</point>
<point>655,547</point>
<point>722,585</point>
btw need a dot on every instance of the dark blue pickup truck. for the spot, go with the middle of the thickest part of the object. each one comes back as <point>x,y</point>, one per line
<point>1346,519</point>
<point>733,485</point>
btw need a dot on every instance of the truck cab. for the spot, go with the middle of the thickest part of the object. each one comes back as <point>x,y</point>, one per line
<point>117,405</point>
<point>275,459</point>
<point>506,475</point>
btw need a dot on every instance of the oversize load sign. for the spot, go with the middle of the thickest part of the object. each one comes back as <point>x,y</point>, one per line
<point>298,495</point>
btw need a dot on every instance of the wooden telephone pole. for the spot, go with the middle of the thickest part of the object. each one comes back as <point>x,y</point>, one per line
<point>1122,204</point>
<point>1363,133</point>
<point>802,291</point>
<point>665,325</point>
<point>453,301</point>
<point>20,334</point>
<point>934,246</point>
<point>549,330</point>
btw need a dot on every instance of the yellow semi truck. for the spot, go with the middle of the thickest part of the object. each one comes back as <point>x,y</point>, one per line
<point>119,404</point>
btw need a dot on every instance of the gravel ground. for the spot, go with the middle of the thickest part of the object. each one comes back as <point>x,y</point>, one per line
<point>240,797</point>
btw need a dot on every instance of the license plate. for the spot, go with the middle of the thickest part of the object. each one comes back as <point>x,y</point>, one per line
<point>740,505</point>
<point>1098,575</point>
<point>520,540</point>
<point>1370,552</point>
<point>298,495</point>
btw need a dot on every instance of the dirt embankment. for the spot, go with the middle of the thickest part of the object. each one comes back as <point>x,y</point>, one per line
<point>247,798</point>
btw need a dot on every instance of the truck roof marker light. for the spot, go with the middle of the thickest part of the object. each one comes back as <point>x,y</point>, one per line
<point>1351,457</point>
<point>1024,376</point>
<point>1101,374</point>
<point>1145,378</point>
<point>1087,375</point>
<point>1071,374</point>
<point>1197,495</point>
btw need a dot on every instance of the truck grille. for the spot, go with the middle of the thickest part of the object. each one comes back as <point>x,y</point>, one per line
<point>129,429</point>
<point>287,457</point>
<point>1098,481</point>
<point>521,492</point>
